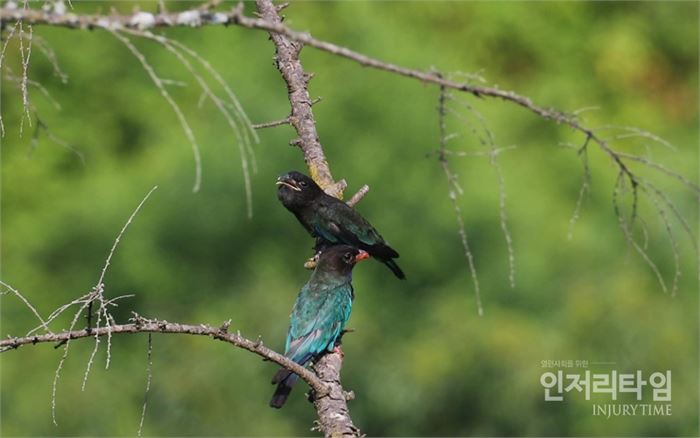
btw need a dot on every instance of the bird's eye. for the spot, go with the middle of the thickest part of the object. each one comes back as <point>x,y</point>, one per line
<point>348,256</point>
<point>302,183</point>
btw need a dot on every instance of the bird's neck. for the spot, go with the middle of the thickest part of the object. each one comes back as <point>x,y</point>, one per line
<point>329,278</point>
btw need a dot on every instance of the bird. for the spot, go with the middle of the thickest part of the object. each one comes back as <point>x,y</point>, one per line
<point>319,315</point>
<point>331,221</point>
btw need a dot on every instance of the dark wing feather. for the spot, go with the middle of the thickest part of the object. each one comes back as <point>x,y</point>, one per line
<point>346,224</point>
<point>335,222</point>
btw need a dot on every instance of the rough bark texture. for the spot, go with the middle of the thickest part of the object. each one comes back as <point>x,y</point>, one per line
<point>333,413</point>
<point>332,408</point>
<point>302,117</point>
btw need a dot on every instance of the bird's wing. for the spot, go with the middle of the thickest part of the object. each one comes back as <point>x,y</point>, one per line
<point>343,223</point>
<point>317,321</point>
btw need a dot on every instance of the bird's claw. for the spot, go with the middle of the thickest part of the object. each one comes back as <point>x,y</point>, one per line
<point>312,262</point>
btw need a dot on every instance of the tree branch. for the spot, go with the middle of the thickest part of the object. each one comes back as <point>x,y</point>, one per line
<point>334,416</point>
<point>328,395</point>
<point>143,325</point>
<point>272,124</point>
<point>301,117</point>
<point>289,42</point>
<point>332,408</point>
<point>357,197</point>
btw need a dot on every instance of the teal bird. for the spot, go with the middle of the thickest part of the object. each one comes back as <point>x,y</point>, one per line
<point>331,221</point>
<point>319,315</point>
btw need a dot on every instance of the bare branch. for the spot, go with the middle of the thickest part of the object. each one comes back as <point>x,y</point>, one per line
<point>289,42</point>
<point>332,408</point>
<point>653,165</point>
<point>243,141</point>
<point>158,82</point>
<point>142,325</point>
<point>121,233</point>
<point>627,231</point>
<point>357,197</point>
<point>286,37</point>
<point>301,117</point>
<point>50,55</point>
<point>149,358</point>
<point>674,245</point>
<point>42,127</point>
<point>487,138</point>
<point>25,55</point>
<point>585,188</point>
<point>329,398</point>
<point>633,132</point>
<point>272,124</point>
<point>454,191</point>
<point>57,374</point>
<point>328,395</point>
<point>26,303</point>
<point>649,187</point>
<point>98,295</point>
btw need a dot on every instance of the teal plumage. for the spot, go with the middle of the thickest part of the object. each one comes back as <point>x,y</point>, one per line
<point>320,313</point>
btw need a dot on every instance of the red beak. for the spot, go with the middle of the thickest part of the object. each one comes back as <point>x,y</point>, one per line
<point>361,256</point>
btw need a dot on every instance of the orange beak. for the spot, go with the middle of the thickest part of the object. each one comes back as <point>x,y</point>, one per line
<point>361,256</point>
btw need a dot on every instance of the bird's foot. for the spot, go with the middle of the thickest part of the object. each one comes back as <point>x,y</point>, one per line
<point>338,350</point>
<point>312,262</point>
<point>311,395</point>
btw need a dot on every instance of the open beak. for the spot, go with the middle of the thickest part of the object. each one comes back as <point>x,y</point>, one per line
<point>281,181</point>
<point>361,256</point>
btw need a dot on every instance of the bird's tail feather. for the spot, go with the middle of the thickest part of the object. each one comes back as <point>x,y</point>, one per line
<point>285,381</point>
<point>382,251</point>
<point>395,268</point>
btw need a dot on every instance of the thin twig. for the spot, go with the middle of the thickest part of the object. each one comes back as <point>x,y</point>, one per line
<point>272,124</point>
<point>57,374</point>
<point>674,245</point>
<point>647,162</point>
<point>357,197</point>
<point>585,188</point>
<point>28,304</point>
<point>176,108</point>
<point>98,294</point>
<point>488,139</point>
<point>149,359</point>
<point>633,132</point>
<point>454,191</point>
<point>121,233</point>
<point>241,141</point>
<point>627,232</point>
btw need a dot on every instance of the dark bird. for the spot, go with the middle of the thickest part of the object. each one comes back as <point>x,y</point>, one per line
<point>319,315</point>
<point>331,221</point>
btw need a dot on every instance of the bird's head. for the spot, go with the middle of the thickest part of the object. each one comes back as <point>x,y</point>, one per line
<point>340,259</point>
<point>295,188</point>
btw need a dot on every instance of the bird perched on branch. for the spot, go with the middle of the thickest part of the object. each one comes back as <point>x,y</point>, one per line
<point>319,315</point>
<point>331,221</point>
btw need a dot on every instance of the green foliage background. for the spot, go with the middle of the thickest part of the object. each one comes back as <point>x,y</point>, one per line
<point>421,362</point>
